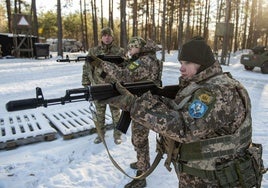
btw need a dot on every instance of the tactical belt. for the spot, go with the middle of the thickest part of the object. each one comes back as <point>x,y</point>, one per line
<point>227,175</point>
<point>204,174</point>
<point>240,171</point>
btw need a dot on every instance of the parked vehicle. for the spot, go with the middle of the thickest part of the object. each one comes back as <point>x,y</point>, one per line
<point>68,45</point>
<point>258,57</point>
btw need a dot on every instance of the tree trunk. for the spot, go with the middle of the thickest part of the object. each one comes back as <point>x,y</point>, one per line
<point>158,31</point>
<point>82,26</point>
<point>180,29</point>
<point>153,29</point>
<point>111,19</point>
<point>94,23</point>
<point>170,25</point>
<point>188,31</point>
<point>9,18</point>
<point>102,24</point>
<point>135,19</point>
<point>59,23</point>
<point>35,23</point>
<point>236,26</point>
<point>206,20</point>
<point>163,31</point>
<point>15,7</point>
<point>85,25</point>
<point>250,43</point>
<point>218,19</point>
<point>123,29</point>
<point>226,37</point>
<point>258,17</point>
<point>244,40</point>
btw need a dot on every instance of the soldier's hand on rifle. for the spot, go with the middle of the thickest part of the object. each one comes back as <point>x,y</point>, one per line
<point>97,61</point>
<point>123,101</point>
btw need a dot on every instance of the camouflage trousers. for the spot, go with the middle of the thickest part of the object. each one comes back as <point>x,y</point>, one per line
<point>100,113</point>
<point>141,145</point>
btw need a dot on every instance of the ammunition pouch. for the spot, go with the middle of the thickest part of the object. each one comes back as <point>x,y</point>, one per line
<point>245,171</point>
<point>255,151</point>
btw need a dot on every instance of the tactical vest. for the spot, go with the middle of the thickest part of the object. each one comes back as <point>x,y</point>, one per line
<point>230,146</point>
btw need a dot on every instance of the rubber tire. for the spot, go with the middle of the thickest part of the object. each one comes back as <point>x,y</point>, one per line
<point>264,67</point>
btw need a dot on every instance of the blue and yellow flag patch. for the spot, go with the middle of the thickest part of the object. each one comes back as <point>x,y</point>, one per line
<point>134,65</point>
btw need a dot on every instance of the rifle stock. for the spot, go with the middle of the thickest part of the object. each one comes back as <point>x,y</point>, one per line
<point>94,93</point>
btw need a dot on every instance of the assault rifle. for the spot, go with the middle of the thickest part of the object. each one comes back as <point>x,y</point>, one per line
<point>95,93</point>
<point>111,58</point>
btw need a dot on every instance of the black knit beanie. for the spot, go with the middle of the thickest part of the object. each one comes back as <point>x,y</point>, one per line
<point>197,51</point>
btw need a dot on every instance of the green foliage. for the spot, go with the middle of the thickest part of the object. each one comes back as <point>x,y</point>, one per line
<point>48,24</point>
<point>72,26</point>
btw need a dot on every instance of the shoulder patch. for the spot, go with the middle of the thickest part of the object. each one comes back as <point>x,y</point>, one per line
<point>197,109</point>
<point>202,103</point>
<point>134,65</point>
<point>204,96</point>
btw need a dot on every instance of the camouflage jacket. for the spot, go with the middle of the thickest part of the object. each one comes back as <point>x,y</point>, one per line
<point>90,74</point>
<point>145,67</point>
<point>209,105</point>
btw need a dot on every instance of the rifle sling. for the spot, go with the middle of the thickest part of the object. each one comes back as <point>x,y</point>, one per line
<point>143,175</point>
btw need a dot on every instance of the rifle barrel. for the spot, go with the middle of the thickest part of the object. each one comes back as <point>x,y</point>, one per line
<point>22,104</point>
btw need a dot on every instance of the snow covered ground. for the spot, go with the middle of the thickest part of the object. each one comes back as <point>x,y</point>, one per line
<point>78,162</point>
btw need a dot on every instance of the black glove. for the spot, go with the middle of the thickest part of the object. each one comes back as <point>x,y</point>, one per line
<point>123,101</point>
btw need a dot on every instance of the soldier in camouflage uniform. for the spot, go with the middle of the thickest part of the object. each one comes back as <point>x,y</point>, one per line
<point>206,131</point>
<point>90,77</point>
<point>142,66</point>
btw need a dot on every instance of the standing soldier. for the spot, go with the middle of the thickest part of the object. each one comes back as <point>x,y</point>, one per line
<point>206,131</point>
<point>142,66</point>
<point>90,77</point>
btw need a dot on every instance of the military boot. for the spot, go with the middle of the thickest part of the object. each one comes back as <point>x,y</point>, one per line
<point>98,138</point>
<point>137,183</point>
<point>117,137</point>
<point>133,165</point>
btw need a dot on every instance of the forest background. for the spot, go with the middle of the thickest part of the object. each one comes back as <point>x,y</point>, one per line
<point>168,22</point>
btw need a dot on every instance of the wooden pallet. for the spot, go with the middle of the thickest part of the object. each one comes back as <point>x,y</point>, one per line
<point>72,123</point>
<point>21,129</point>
